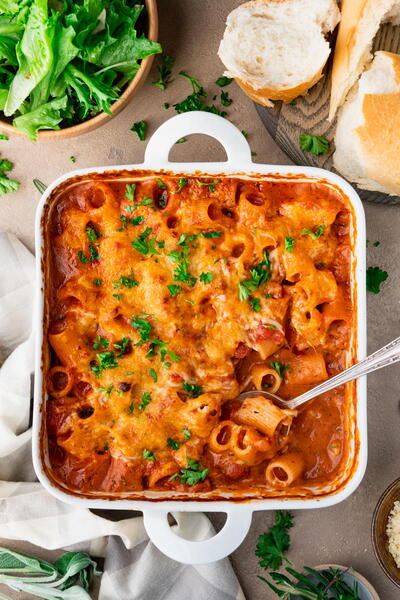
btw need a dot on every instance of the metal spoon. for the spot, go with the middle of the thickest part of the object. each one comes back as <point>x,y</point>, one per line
<point>388,355</point>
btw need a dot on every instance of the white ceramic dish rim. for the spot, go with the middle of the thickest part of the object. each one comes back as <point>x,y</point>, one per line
<point>239,514</point>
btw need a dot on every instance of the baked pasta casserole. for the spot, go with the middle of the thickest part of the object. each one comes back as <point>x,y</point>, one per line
<point>167,296</point>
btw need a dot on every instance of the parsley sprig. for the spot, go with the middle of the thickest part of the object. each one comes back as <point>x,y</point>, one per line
<point>192,389</point>
<point>260,274</point>
<point>279,367</point>
<point>197,99</point>
<point>316,234</point>
<point>106,360</point>
<point>193,474</point>
<point>272,545</point>
<point>165,71</point>
<point>316,144</point>
<point>145,245</point>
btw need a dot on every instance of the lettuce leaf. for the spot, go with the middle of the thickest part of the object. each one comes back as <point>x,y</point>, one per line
<point>34,54</point>
<point>46,116</point>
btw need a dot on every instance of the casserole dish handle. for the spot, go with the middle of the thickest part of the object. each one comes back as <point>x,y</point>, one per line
<point>236,147</point>
<point>197,553</point>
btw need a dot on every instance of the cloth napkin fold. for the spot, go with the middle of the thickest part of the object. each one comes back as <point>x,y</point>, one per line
<point>134,567</point>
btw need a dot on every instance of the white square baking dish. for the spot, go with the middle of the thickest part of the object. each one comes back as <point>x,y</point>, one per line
<point>239,511</point>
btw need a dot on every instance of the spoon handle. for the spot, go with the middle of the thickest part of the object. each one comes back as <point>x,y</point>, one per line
<point>383,357</point>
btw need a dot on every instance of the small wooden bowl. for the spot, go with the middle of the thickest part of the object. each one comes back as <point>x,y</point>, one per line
<point>379,537</point>
<point>123,100</point>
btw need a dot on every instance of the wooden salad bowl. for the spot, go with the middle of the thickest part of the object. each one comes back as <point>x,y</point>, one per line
<point>117,106</point>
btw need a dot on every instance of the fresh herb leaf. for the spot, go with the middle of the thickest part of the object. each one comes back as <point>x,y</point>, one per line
<point>72,159</point>
<point>97,282</point>
<point>3,137</point>
<point>181,140</point>
<point>279,367</point>
<point>161,184</point>
<point>206,277</point>
<point>255,304</point>
<point>92,234</point>
<point>128,281</point>
<point>289,244</point>
<point>260,273</point>
<point>181,184</point>
<point>211,184</point>
<point>100,341</point>
<point>225,99</point>
<point>375,277</point>
<point>39,185</point>
<point>6,184</point>
<point>146,399</point>
<point>82,257</point>
<point>223,81</point>
<point>130,191</point>
<point>210,234</point>
<point>140,128</point>
<point>186,435</point>
<point>174,290</point>
<point>271,546</point>
<point>196,100</point>
<point>106,360</point>
<point>315,144</point>
<point>316,234</point>
<point>193,474</point>
<point>143,245</point>
<point>173,444</point>
<point>148,455</point>
<point>107,391</point>
<point>153,375</point>
<point>192,389</point>
<point>122,346</point>
<point>165,71</point>
<point>142,325</point>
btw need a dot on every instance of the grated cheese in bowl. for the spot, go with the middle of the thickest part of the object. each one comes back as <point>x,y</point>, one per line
<point>393,532</point>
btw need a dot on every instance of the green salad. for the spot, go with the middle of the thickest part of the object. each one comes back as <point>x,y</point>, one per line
<point>63,62</point>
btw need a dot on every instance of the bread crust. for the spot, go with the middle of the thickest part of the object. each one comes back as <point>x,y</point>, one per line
<point>379,135</point>
<point>354,16</point>
<point>264,96</point>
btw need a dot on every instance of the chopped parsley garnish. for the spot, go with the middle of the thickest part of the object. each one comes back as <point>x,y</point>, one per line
<point>186,435</point>
<point>100,341</point>
<point>181,184</point>
<point>225,99</point>
<point>147,455</point>
<point>375,277</point>
<point>223,81</point>
<point>211,184</point>
<point>143,326</point>
<point>211,234</point>
<point>192,389</point>
<point>146,201</point>
<point>316,144</point>
<point>153,375</point>
<point>106,391</point>
<point>146,399</point>
<point>117,296</point>
<point>143,245</point>
<point>93,255</point>
<point>7,184</point>
<point>131,408</point>
<point>82,257</point>
<point>173,444</point>
<point>126,281</point>
<point>165,71</point>
<point>126,220</point>
<point>72,159</point>
<point>166,105</point>
<point>106,360</point>
<point>196,100</point>
<point>279,367</point>
<point>130,191</point>
<point>92,234</point>
<point>181,272</point>
<point>122,346</point>
<point>193,474</point>
<point>260,273</point>
<point>181,141</point>
<point>3,137</point>
<point>161,184</point>
<point>140,128</point>
<point>206,277</point>
<point>316,234</point>
<point>97,282</point>
<point>255,304</point>
<point>289,244</point>
<point>174,290</point>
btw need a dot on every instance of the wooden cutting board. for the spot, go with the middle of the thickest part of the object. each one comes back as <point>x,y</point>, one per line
<point>286,123</point>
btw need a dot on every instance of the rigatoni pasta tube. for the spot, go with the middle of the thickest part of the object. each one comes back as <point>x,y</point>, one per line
<point>262,414</point>
<point>284,470</point>
<point>261,372</point>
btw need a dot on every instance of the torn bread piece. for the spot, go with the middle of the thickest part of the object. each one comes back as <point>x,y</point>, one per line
<point>359,24</point>
<point>367,135</point>
<point>276,49</point>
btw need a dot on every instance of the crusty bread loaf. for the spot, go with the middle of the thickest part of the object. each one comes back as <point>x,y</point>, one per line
<point>367,135</point>
<point>359,24</point>
<point>276,49</point>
